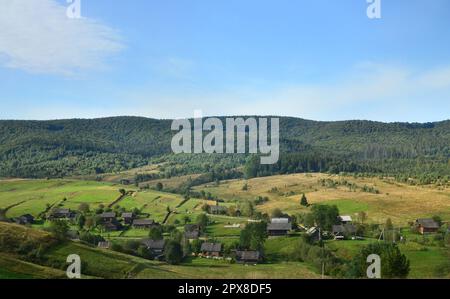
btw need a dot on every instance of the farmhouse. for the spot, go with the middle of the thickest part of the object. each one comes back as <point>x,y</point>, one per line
<point>144,223</point>
<point>342,230</point>
<point>345,219</point>
<point>25,219</point>
<point>248,257</point>
<point>211,249</point>
<point>112,226</point>
<point>61,214</point>
<point>155,246</point>
<point>127,218</point>
<point>279,227</point>
<point>108,216</point>
<point>217,210</point>
<point>427,226</point>
<point>192,235</point>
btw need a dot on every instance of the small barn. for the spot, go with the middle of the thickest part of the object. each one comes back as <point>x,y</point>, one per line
<point>108,216</point>
<point>211,249</point>
<point>144,223</point>
<point>279,228</point>
<point>426,226</point>
<point>248,257</point>
<point>127,218</point>
<point>155,246</point>
<point>25,219</point>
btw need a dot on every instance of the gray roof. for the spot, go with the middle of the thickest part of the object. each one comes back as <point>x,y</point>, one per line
<point>127,215</point>
<point>108,215</point>
<point>192,234</point>
<point>279,226</point>
<point>279,220</point>
<point>428,223</point>
<point>344,228</point>
<point>211,247</point>
<point>27,217</point>
<point>61,211</point>
<point>154,244</point>
<point>143,222</point>
<point>248,255</point>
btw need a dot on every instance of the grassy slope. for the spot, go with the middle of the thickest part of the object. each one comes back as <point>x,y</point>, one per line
<point>401,202</point>
<point>109,264</point>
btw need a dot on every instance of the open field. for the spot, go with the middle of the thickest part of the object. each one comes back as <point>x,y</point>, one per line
<point>400,202</point>
<point>33,196</point>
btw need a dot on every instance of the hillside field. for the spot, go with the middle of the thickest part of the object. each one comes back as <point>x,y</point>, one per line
<point>402,203</point>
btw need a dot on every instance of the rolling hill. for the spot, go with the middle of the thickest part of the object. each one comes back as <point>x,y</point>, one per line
<point>59,148</point>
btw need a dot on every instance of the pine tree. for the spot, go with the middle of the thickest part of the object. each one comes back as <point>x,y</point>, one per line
<point>304,201</point>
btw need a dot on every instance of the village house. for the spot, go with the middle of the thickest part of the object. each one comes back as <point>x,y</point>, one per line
<point>211,249</point>
<point>144,223</point>
<point>108,216</point>
<point>426,226</point>
<point>343,230</point>
<point>112,226</point>
<point>345,219</point>
<point>25,219</point>
<point>127,218</point>
<point>61,214</point>
<point>155,246</point>
<point>191,231</point>
<point>248,257</point>
<point>279,227</point>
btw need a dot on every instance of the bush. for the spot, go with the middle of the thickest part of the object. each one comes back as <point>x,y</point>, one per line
<point>173,253</point>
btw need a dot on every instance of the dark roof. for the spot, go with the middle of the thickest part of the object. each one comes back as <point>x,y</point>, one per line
<point>248,255</point>
<point>127,215</point>
<point>211,247</point>
<point>428,223</point>
<point>143,222</point>
<point>111,226</point>
<point>154,244</point>
<point>344,228</point>
<point>61,211</point>
<point>279,226</point>
<point>108,215</point>
<point>27,217</point>
<point>192,234</point>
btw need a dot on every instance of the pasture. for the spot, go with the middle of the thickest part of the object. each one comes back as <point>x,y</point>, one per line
<point>400,202</point>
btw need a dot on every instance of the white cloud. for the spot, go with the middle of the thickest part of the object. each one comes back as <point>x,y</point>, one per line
<point>366,91</point>
<point>38,37</point>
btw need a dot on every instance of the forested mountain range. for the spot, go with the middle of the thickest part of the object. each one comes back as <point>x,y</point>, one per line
<point>88,146</point>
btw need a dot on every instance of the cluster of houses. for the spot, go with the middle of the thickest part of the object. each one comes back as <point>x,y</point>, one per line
<point>109,221</point>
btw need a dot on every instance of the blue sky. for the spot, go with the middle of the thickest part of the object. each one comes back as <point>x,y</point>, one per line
<point>315,59</point>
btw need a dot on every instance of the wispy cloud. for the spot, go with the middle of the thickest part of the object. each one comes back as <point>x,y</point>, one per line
<point>38,37</point>
<point>368,90</point>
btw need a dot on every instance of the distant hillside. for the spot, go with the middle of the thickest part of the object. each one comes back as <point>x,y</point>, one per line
<point>78,146</point>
